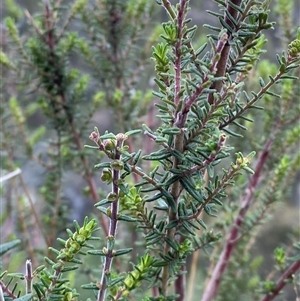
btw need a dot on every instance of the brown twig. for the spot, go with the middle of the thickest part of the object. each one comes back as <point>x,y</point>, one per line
<point>222,63</point>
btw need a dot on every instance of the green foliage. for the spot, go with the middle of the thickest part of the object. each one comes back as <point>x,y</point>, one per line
<point>5,247</point>
<point>51,283</point>
<point>207,175</point>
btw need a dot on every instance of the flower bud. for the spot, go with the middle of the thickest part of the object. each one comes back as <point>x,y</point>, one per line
<point>109,144</point>
<point>106,176</point>
<point>117,165</point>
<point>111,197</point>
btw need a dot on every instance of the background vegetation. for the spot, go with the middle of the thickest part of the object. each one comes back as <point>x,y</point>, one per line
<point>189,209</point>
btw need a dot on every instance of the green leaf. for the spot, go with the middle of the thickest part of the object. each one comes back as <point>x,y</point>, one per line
<point>171,131</point>
<point>159,264</point>
<point>132,132</point>
<point>187,227</point>
<point>261,82</point>
<point>153,198</point>
<point>122,251</point>
<point>201,49</point>
<point>96,252</point>
<point>136,157</point>
<point>172,224</point>
<point>201,223</point>
<point>172,243</point>
<point>225,25</point>
<point>90,286</point>
<point>210,170</point>
<point>49,261</point>
<point>127,218</point>
<point>4,248</point>
<point>232,133</point>
<point>108,136</point>
<point>116,280</point>
<point>273,94</point>
<point>69,268</point>
<point>102,165</point>
<point>16,275</point>
<point>190,188</point>
<point>248,169</point>
<point>159,155</point>
<point>26,297</point>
<point>169,199</point>
<point>162,205</point>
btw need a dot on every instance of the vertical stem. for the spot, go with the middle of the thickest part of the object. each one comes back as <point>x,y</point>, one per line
<point>113,215</point>
<point>222,64</point>
<point>172,215</point>
<point>177,67</point>
<point>178,144</point>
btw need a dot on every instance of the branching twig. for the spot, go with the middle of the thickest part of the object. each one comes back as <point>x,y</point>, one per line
<point>222,63</point>
<point>258,95</point>
<point>215,280</point>
<point>288,274</point>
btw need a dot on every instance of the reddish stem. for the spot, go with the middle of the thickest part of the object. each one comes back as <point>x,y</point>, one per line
<point>288,274</point>
<point>222,63</point>
<point>177,67</point>
<point>214,283</point>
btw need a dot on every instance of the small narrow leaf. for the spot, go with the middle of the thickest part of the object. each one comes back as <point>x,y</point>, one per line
<point>69,268</point>
<point>26,297</point>
<point>132,132</point>
<point>186,226</point>
<point>261,82</point>
<point>127,218</point>
<point>172,224</point>
<point>90,286</point>
<point>5,247</point>
<point>122,251</point>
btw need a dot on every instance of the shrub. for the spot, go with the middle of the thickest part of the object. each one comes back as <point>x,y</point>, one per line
<point>201,178</point>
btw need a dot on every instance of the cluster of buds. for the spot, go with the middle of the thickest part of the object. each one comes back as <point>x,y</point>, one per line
<point>77,240</point>
<point>294,48</point>
<point>243,162</point>
<point>139,273</point>
<point>110,144</point>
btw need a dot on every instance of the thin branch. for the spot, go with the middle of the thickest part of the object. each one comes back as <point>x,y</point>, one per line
<point>258,95</point>
<point>222,63</point>
<point>288,274</point>
<point>168,6</point>
<point>178,145</point>
<point>212,288</point>
<point>177,50</point>
<point>113,215</point>
<point>181,116</point>
<point>6,290</point>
